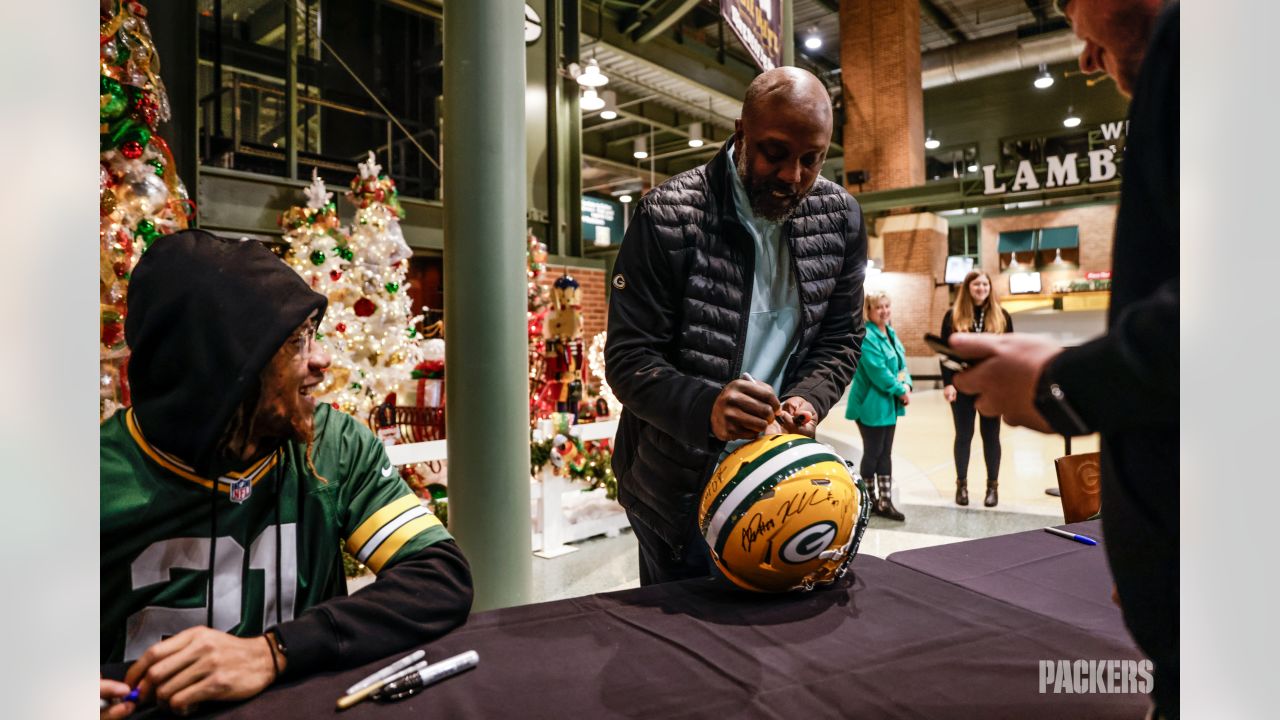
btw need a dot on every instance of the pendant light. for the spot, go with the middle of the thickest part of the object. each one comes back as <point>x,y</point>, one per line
<point>591,101</point>
<point>591,75</point>
<point>695,135</point>
<point>610,110</point>
<point>1043,78</point>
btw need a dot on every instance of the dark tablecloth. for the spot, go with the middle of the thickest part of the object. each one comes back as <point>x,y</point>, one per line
<point>1034,570</point>
<point>886,642</point>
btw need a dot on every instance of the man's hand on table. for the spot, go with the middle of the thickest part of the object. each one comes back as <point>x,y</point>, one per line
<point>200,664</point>
<point>743,410</point>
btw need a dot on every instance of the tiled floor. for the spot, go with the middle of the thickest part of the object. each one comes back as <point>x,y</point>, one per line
<point>925,484</point>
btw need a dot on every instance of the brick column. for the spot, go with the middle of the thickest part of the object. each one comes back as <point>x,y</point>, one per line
<point>884,101</point>
<point>915,259</point>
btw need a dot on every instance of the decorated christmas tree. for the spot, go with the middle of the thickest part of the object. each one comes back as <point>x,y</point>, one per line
<point>320,251</point>
<point>141,197</point>
<point>374,326</point>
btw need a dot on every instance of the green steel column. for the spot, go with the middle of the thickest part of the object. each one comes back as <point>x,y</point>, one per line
<point>788,35</point>
<point>291,89</point>
<point>485,302</point>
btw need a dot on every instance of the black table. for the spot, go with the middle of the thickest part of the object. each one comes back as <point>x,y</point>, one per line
<point>1034,570</point>
<point>885,642</point>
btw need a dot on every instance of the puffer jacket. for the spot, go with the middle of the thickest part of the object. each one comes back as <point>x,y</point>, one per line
<point>678,316</point>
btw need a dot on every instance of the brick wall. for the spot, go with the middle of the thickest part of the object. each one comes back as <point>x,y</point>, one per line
<point>1097,231</point>
<point>595,309</point>
<point>915,256</point>
<point>884,102</point>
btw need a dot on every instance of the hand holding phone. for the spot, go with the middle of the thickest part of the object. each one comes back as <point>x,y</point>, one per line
<point>949,359</point>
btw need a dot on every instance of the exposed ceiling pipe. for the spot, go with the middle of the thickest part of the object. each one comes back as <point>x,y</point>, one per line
<point>997,54</point>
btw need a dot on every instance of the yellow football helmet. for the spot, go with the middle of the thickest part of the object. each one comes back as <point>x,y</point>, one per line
<point>783,512</point>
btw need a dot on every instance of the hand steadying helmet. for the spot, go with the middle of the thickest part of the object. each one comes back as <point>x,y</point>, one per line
<point>783,513</point>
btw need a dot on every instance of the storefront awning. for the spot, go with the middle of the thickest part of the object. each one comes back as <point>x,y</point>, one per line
<point>1059,237</point>
<point>1018,241</point>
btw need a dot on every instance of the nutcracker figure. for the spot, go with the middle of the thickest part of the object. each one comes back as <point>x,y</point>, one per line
<point>565,369</point>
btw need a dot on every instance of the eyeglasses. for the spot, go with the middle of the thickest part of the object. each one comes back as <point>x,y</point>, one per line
<point>304,339</point>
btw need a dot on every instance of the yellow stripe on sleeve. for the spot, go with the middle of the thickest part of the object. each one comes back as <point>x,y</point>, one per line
<point>377,520</point>
<point>397,540</point>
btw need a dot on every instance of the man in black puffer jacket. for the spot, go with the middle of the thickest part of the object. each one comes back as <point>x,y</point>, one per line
<point>738,283</point>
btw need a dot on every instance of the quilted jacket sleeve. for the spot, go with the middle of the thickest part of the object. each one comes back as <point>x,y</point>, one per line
<point>643,306</point>
<point>829,365</point>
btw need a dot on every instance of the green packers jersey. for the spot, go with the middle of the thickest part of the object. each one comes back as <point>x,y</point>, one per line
<point>163,528</point>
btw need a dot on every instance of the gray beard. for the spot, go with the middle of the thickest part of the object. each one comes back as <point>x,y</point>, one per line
<point>740,163</point>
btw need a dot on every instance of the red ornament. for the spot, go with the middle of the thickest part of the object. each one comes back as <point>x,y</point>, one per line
<point>131,149</point>
<point>364,307</point>
<point>340,327</point>
<point>335,275</point>
<point>112,334</point>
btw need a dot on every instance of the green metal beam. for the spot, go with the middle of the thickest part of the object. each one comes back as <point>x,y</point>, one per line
<point>485,301</point>
<point>664,17</point>
<point>939,196</point>
<point>693,60</point>
<point>788,34</point>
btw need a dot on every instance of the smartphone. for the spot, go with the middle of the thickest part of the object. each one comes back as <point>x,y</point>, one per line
<point>949,359</point>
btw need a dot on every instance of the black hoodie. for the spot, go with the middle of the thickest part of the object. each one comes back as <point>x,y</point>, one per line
<point>206,315</point>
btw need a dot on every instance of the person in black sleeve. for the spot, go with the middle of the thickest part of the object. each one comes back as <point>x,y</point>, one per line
<point>1124,384</point>
<point>737,283</point>
<point>227,491</point>
<point>975,310</point>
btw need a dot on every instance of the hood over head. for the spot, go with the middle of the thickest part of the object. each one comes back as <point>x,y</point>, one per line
<point>205,316</point>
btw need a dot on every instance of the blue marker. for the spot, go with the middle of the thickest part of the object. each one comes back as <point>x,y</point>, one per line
<point>132,697</point>
<point>1071,536</point>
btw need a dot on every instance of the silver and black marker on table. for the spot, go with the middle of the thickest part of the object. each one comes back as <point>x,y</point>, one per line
<point>412,679</point>
<point>393,669</point>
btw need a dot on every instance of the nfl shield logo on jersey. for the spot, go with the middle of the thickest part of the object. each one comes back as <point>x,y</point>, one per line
<point>240,490</point>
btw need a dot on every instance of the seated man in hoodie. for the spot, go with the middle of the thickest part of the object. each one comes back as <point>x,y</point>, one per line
<point>226,493</point>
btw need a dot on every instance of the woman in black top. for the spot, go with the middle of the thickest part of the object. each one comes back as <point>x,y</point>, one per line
<point>975,310</point>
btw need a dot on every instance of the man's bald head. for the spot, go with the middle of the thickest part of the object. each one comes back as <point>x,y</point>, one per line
<point>781,140</point>
<point>789,86</point>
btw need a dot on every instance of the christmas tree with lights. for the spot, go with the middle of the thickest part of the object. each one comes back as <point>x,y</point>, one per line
<point>320,251</point>
<point>141,197</point>
<point>374,326</point>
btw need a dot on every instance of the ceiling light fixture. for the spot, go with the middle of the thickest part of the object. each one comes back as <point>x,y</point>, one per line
<point>639,151</point>
<point>813,42</point>
<point>1043,78</point>
<point>695,135</point>
<point>610,110</point>
<point>973,167</point>
<point>624,199</point>
<point>591,75</point>
<point>930,142</point>
<point>591,101</point>
<point>1071,120</point>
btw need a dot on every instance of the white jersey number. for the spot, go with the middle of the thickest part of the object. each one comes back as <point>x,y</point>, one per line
<point>153,623</point>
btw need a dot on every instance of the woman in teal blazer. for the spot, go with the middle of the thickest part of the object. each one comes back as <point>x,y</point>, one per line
<point>879,395</point>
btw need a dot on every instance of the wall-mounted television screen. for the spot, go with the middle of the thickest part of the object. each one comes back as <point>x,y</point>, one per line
<point>957,267</point>
<point>1023,283</point>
